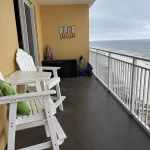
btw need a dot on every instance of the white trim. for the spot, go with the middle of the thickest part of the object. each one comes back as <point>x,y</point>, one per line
<point>34,35</point>
<point>66,2</point>
<point>23,25</point>
<point>27,2</point>
<point>24,28</point>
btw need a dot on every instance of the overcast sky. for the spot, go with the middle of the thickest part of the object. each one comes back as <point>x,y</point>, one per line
<point>120,19</point>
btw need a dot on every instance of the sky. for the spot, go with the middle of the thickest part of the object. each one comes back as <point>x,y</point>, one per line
<point>119,20</point>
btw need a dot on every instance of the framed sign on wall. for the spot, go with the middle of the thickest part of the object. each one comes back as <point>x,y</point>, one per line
<point>67,32</point>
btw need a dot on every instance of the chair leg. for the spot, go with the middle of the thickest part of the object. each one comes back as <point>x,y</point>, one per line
<point>61,108</point>
<point>58,90</point>
<point>12,126</point>
<point>47,130</point>
<point>59,95</point>
<point>51,123</point>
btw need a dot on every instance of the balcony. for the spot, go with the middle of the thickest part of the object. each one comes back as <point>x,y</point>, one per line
<point>34,24</point>
<point>128,80</point>
<point>93,118</point>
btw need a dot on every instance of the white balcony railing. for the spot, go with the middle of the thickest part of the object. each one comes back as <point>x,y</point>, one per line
<point>128,80</point>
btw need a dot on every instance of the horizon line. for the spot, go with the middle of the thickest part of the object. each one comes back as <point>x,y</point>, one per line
<point>119,39</point>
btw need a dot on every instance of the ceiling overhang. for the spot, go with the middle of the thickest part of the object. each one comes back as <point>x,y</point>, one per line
<point>66,2</point>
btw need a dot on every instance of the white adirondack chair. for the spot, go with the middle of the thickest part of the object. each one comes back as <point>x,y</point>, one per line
<point>26,63</point>
<point>41,105</point>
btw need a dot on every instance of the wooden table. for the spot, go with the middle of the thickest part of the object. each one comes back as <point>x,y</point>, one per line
<point>27,77</point>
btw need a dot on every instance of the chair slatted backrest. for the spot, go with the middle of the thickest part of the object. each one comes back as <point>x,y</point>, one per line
<point>25,61</point>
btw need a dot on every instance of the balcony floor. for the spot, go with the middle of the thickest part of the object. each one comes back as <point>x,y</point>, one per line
<point>92,120</point>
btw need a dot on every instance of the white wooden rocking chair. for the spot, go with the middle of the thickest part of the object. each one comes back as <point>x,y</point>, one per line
<point>26,63</point>
<point>41,105</point>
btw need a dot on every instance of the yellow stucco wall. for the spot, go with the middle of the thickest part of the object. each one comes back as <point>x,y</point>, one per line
<point>8,47</point>
<point>8,37</point>
<point>54,17</point>
<point>3,126</point>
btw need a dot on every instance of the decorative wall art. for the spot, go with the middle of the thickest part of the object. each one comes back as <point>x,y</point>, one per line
<point>67,32</point>
<point>61,30</point>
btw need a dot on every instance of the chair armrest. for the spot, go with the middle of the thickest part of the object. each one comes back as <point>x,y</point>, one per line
<point>48,68</point>
<point>25,97</point>
<point>23,82</point>
<point>54,69</point>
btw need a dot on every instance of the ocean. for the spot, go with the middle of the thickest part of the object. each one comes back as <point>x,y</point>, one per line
<point>139,48</point>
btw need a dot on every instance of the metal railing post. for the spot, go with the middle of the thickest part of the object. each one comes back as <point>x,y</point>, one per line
<point>97,63</point>
<point>109,72</point>
<point>133,88</point>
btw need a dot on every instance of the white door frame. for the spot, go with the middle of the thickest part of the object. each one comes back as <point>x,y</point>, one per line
<point>24,28</point>
<point>34,34</point>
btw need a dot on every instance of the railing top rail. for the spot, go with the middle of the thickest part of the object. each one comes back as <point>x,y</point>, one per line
<point>135,57</point>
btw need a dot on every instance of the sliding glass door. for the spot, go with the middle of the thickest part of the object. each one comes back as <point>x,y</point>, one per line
<point>28,28</point>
